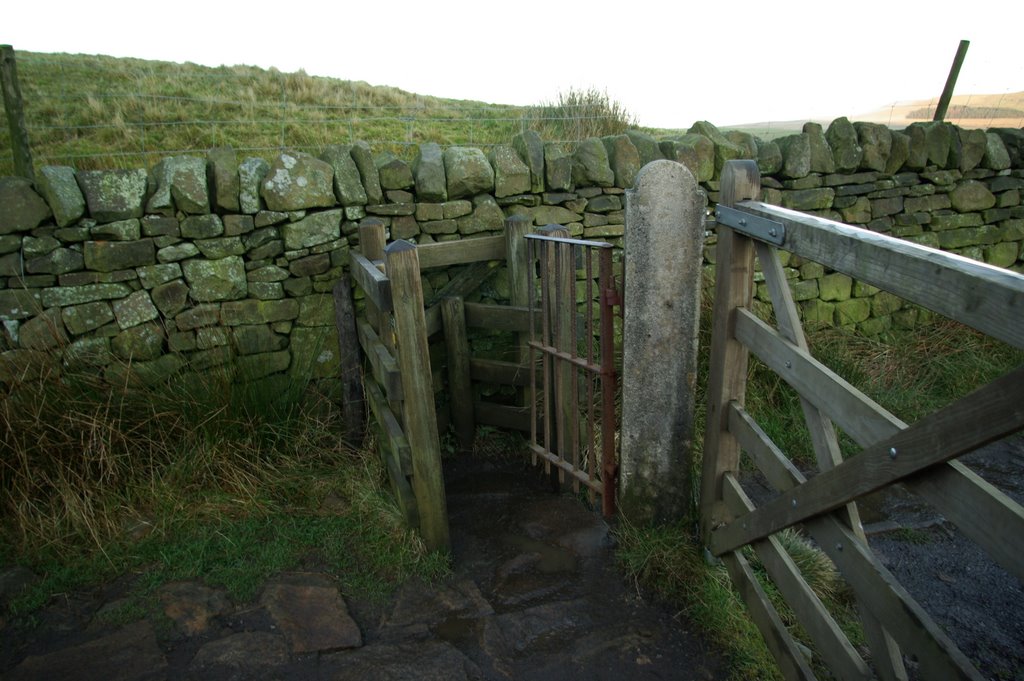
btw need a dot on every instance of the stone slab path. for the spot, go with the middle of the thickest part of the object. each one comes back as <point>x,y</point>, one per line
<point>534,595</point>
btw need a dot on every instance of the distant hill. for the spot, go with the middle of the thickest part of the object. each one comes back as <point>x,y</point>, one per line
<point>967,111</point>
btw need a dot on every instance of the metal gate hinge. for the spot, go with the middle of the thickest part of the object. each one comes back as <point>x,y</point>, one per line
<point>754,226</point>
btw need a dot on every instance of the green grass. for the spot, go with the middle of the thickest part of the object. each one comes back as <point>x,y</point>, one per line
<point>103,112</point>
<point>199,478</point>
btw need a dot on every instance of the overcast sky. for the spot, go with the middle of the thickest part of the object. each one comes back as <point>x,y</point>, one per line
<point>669,63</point>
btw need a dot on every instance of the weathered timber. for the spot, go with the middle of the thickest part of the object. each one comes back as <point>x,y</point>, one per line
<point>854,411</point>
<point>395,453</point>
<point>987,298</point>
<point>833,645</point>
<point>502,416</point>
<point>994,411</point>
<point>461,252</point>
<point>497,371</point>
<point>516,229</point>
<point>418,416</point>
<point>352,406</point>
<point>497,317</point>
<point>778,639</point>
<point>374,283</point>
<point>882,593</point>
<point>396,442</point>
<point>459,384</point>
<point>887,656</point>
<point>382,365</point>
<point>463,283</point>
<point>728,364</point>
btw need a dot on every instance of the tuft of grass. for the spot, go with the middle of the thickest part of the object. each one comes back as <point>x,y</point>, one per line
<point>578,114</point>
<point>668,560</point>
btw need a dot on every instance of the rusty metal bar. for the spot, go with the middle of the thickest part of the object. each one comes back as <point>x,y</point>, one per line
<point>565,466</point>
<point>567,240</point>
<point>545,337</point>
<point>566,356</point>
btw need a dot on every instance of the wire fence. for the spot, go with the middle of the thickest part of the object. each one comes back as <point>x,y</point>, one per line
<point>102,112</point>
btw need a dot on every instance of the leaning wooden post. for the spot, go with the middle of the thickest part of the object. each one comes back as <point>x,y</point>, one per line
<point>20,149</point>
<point>418,417</point>
<point>663,251</point>
<point>727,379</point>
<point>453,314</point>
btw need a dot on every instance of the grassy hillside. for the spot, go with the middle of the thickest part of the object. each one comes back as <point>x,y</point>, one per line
<point>105,112</point>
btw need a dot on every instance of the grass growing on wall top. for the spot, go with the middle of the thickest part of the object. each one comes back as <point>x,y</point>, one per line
<point>200,478</point>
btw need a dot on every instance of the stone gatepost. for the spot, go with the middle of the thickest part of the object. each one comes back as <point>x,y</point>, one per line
<point>664,244</point>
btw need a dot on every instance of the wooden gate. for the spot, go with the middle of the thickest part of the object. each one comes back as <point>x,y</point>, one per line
<point>573,415</point>
<point>922,455</point>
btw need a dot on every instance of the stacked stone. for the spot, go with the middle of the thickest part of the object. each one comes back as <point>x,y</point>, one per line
<point>212,262</point>
<point>933,183</point>
<point>205,262</point>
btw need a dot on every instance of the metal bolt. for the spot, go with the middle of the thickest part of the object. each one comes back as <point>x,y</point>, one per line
<point>839,547</point>
<point>892,453</point>
<point>743,223</point>
<point>794,503</point>
<point>789,365</point>
<point>772,232</point>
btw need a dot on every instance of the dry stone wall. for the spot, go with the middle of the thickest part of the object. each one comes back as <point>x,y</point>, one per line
<point>229,262</point>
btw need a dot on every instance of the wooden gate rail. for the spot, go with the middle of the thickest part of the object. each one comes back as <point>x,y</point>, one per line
<point>921,455</point>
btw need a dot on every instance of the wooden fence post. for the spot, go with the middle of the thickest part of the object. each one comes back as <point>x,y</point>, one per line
<point>353,407</point>
<point>20,149</point>
<point>520,281</point>
<point>727,379</point>
<point>418,417</point>
<point>453,314</point>
<point>663,252</point>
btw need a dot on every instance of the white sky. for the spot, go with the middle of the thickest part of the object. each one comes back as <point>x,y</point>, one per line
<point>668,62</point>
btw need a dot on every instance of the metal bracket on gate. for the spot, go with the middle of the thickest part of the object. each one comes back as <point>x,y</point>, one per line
<point>753,226</point>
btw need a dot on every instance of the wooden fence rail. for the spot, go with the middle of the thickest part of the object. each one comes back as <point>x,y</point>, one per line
<point>921,455</point>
